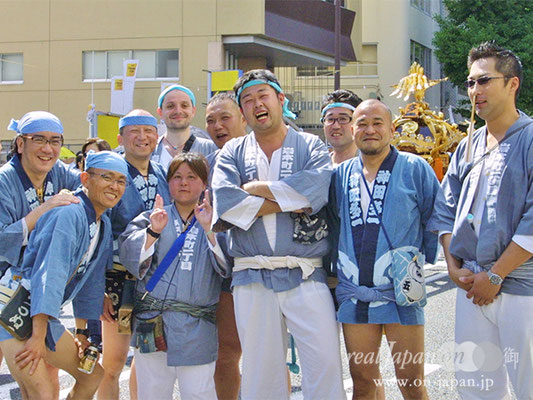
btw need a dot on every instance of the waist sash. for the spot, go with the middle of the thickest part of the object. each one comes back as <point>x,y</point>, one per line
<point>307,265</point>
<point>146,302</point>
<point>524,271</point>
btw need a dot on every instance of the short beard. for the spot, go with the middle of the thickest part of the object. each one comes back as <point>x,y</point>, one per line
<point>374,152</point>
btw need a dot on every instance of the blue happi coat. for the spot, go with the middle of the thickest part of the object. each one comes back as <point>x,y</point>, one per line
<point>52,268</point>
<point>405,196</point>
<point>305,167</point>
<point>194,277</point>
<point>508,207</point>
<point>18,198</point>
<point>139,196</point>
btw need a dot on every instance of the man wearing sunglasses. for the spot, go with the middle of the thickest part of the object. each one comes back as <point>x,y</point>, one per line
<point>485,220</point>
<point>337,111</point>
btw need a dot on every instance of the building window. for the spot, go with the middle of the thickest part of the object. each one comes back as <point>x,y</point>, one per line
<point>153,64</point>
<point>312,70</point>
<point>422,55</point>
<point>11,68</point>
<point>422,5</point>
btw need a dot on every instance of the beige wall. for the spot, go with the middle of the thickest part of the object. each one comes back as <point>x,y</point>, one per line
<point>52,34</point>
<point>390,25</point>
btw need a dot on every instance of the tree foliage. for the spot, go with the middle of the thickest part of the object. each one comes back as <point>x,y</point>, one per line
<point>470,22</point>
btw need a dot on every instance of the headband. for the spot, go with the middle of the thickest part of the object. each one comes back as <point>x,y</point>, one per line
<point>36,121</point>
<point>108,160</point>
<point>181,88</point>
<point>137,120</point>
<point>335,105</point>
<point>286,112</point>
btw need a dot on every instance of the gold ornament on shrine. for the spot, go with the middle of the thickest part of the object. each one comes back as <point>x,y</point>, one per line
<point>420,130</point>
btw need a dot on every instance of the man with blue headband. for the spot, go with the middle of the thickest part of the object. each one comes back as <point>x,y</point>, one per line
<point>147,179</point>
<point>30,184</point>
<point>177,106</point>
<point>66,258</point>
<point>337,111</point>
<point>31,181</point>
<point>263,182</point>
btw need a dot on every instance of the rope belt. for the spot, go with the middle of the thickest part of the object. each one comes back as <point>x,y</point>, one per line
<point>307,265</point>
<point>150,303</point>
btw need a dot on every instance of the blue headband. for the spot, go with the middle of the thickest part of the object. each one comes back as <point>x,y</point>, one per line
<point>106,160</point>
<point>286,112</point>
<point>36,121</point>
<point>187,91</point>
<point>335,105</point>
<point>137,120</point>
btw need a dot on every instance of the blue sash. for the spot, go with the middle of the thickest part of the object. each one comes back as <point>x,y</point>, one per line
<point>365,235</point>
<point>147,188</point>
<point>29,189</point>
<point>169,257</point>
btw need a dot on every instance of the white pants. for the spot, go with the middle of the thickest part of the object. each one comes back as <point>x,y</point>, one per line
<point>499,346</point>
<point>155,379</point>
<point>263,316</point>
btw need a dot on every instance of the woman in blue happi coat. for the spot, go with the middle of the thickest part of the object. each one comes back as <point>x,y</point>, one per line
<point>187,292</point>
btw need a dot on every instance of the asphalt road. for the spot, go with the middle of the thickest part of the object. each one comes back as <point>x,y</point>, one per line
<point>439,379</point>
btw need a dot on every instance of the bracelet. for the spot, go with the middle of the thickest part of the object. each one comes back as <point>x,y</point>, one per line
<point>209,232</point>
<point>86,332</point>
<point>152,233</point>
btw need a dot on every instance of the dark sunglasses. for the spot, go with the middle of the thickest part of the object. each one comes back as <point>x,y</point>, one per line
<point>481,81</point>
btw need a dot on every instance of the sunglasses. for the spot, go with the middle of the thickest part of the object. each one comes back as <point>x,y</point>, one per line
<point>481,81</point>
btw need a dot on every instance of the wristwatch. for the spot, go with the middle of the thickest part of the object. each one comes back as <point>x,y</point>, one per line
<point>495,279</point>
<point>86,332</point>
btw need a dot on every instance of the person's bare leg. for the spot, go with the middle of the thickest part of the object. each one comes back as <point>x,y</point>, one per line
<point>36,386</point>
<point>40,385</point>
<point>362,345</point>
<point>227,374</point>
<point>407,348</point>
<point>53,374</point>
<point>66,358</point>
<point>115,354</point>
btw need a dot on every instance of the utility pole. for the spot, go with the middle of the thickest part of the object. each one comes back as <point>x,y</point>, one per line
<point>337,82</point>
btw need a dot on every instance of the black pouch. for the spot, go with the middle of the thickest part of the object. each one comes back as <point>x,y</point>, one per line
<point>150,334</point>
<point>114,286</point>
<point>15,317</point>
<point>309,229</point>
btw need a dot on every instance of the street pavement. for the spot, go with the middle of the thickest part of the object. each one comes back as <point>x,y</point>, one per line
<point>439,379</point>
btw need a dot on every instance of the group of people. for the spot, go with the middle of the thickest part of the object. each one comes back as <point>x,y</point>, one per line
<point>197,252</point>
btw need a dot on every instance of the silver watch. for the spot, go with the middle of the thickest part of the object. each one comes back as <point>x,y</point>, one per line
<point>495,279</point>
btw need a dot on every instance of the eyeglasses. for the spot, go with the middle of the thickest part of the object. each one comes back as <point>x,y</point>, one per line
<point>109,179</point>
<point>342,120</point>
<point>40,140</point>
<point>482,81</point>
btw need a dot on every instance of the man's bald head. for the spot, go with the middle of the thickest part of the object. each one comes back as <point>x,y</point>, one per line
<point>371,103</point>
